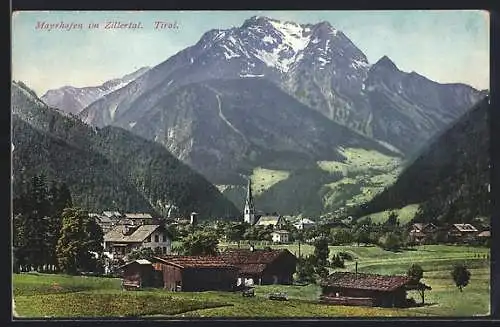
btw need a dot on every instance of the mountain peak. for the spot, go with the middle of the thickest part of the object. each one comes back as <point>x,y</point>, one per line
<point>385,62</point>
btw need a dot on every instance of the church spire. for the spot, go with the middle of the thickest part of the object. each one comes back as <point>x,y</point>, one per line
<point>249,211</point>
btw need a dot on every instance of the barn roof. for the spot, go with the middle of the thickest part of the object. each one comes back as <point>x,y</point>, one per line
<point>247,256</point>
<point>139,261</point>
<point>139,235</point>
<point>465,227</point>
<point>111,213</point>
<point>486,233</point>
<point>196,261</point>
<point>371,282</point>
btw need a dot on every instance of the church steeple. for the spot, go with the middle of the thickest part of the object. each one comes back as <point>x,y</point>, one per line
<point>249,211</point>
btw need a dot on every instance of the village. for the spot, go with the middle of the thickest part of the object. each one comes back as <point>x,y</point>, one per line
<point>239,265</point>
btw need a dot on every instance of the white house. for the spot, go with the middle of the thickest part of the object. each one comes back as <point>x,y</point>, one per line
<point>280,236</point>
<point>304,223</point>
<point>123,239</point>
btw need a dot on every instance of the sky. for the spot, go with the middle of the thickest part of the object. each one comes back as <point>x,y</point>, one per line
<point>445,46</point>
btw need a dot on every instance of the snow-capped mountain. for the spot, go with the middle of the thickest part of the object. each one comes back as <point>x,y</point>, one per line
<point>72,100</point>
<point>315,63</point>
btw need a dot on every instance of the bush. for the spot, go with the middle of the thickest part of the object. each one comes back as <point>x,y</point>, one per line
<point>337,261</point>
<point>346,256</point>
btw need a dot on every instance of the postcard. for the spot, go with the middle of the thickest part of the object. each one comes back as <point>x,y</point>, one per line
<point>250,164</point>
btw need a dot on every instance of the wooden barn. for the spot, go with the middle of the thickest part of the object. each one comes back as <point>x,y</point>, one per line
<point>195,273</point>
<point>262,267</point>
<point>139,274</point>
<point>347,288</point>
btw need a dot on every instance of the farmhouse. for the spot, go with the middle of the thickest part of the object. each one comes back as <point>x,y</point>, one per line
<point>304,223</point>
<point>420,232</point>
<point>140,273</point>
<point>348,288</point>
<point>195,273</point>
<point>139,218</point>
<point>280,236</point>
<point>123,239</point>
<point>277,222</point>
<point>262,266</point>
<point>462,233</point>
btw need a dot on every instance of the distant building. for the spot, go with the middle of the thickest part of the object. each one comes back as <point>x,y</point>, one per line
<point>421,232</point>
<point>139,218</point>
<point>352,288</point>
<point>249,210</point>
<point>123,239</point>
<point>462,233</point>
<point>280,236</point>
<point>277,222</point>
<point>304,223</point>
<point>262,266</point>
<point>138,274</point>
<point>196,273</point>
<point>194,219</point>
<point>112,214</point>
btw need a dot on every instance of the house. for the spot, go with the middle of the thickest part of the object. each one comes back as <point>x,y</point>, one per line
<point>112,214</point>
<point>352,288</point>
<point>304,223</point>
<point>277,222</point>
<point>462,233</point>
<point>196,273</point>
<point>139,218</point>
<point>105,223</point>
<point>262,266</point>
<point>123,239</point>
<point>280,236</point>
<point>420,232</point>
<point>139,273</point>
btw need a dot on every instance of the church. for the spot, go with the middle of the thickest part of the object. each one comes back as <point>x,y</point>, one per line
<point>250,216</point>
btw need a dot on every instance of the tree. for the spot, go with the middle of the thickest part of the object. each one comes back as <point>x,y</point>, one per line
<point>390,242</point>
<point>81,240</point>
<point>461,276</point>
<point>305,270</point>
<point>337,261</point>
<point>392,220</point>
<point>200,243</point>
<point>321,251</point>
<point>235,231</point>
<point>415,273</point>
<point>144,253</point>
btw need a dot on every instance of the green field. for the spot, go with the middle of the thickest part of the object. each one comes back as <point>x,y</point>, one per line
<point>262,179</point>
<point>40,295</point>
<point>365,172</point>
<point>405,214</point>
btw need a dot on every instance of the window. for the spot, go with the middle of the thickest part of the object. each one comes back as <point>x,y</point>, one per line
<point>164,237</point>
<point>164,249</point>
<point>148,239</point>
<point>157,238</point>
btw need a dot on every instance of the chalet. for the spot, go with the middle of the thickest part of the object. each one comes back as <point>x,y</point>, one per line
<point>112,214</point>
<point>262,266</point>
<point>196,273</point>
<point>280,236</point>
<point>352,288</point>
<point>139,218</point>
<point>304,223</point>
<point>420,232</point>
<point>123,239</point>
<point>462,233</point>
<point>277,222</point>
<point>139,273</point>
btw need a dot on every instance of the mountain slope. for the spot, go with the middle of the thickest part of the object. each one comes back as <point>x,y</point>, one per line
<point>451,178</point>
<point>108,168</point>
<point>72,100</point>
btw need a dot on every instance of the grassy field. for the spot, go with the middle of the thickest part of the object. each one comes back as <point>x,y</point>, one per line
<point>40,295</point>
<point>369,171</point>
<point>405,214</point>
<point>262,179</point>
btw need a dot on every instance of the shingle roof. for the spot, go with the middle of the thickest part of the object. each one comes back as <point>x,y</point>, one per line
<point>465,227</point>
<point>268,220</point>
<point>196,262</point>
<point>305,221</point>
<point>366,281</point>
<point>138,216</point>
<point>139,235</point>
<point>111,213</point>
<point>486,233</point>
<point>246,256</point>
<point>281,232</point>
